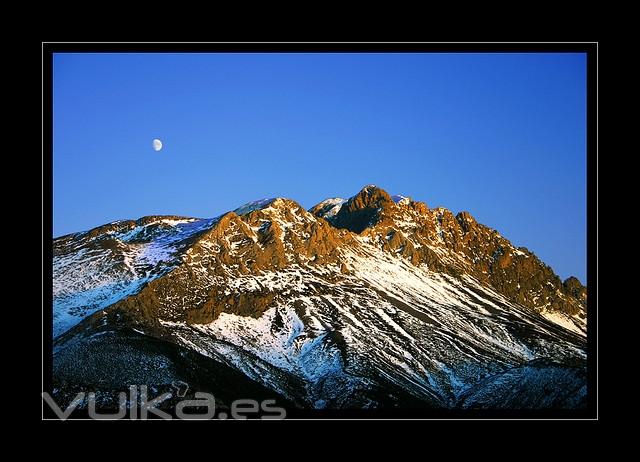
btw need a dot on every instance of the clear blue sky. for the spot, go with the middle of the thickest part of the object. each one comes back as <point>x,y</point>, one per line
<point>500,135</point>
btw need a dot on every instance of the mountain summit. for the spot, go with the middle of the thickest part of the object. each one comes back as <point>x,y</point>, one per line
<point>460,245</point>
<point>373,301</point>
<point>364,210</point>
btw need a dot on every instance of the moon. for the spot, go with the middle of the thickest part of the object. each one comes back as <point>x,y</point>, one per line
<point>157,144</point>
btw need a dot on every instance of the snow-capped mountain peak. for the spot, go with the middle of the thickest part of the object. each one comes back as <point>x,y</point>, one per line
<point>355,303</point>
<point>400,199</point>
<point>253,205</point>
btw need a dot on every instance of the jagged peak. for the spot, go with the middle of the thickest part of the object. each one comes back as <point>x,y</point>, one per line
<point>261,204</point>
<point>370,196</point>
<point>279,202</point>
<point>328,208</point>
<point>363,210</point>
<point>284,206</point>
<point>254,205</point>
<point>331,201</point>
<point>275,232</point>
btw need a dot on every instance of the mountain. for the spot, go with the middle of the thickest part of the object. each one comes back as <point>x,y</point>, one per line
<point>377,301</point>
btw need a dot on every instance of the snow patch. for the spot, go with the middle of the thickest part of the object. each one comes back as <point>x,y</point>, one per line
<point>254,205</point>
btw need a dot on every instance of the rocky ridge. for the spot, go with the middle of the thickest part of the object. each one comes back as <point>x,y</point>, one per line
<point>328,307</point>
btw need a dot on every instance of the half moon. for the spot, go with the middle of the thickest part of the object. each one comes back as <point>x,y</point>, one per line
<point>157,144</point>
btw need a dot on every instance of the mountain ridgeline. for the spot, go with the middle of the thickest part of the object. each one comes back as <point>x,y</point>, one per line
<point>472,248</point>
<point>375,301</point>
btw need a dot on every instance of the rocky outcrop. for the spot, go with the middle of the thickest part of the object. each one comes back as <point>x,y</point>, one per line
<point>267,239</point>
<point>275,234</point>
<point>457,245</point>
<point>370,302</point>
<point>367,208</point>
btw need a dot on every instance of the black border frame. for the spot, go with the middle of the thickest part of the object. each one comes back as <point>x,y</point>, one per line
<point>589,48</point>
